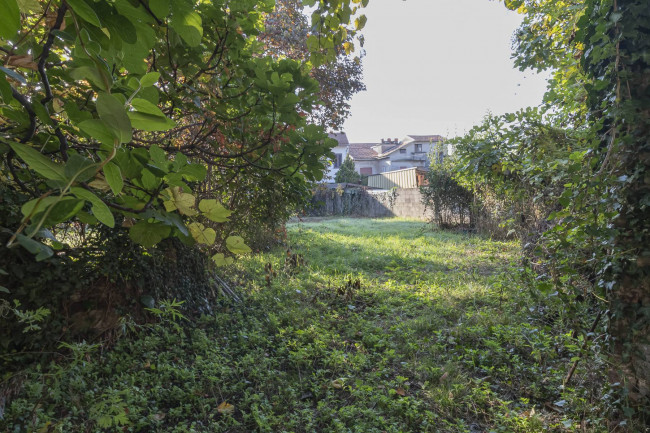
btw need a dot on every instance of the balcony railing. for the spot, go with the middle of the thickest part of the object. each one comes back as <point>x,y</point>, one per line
<point>419,156</point>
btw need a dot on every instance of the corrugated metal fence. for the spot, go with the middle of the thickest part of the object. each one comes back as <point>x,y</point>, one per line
<point>407,178</point>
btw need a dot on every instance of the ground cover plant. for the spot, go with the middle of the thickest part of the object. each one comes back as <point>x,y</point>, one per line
<point>360,326</point>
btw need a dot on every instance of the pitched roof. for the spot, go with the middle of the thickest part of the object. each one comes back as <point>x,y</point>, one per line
<point>341,137</point>
<point>393,149</point>
<point>362,151</point>
<point>365,150</point>
<point>386,147</point>
<point>425,137</point>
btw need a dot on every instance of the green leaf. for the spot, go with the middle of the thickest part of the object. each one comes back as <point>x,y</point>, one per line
<point>513,5</point>
<point>149,234</point>
<point>37,205</point>
<point>41,113</point>
<point>89,73</point>
<point>158,155</point>
<point>38,162</point>
<point>41,251</point>
<point>186,23</point>
<point>180,161</point>
<point>179,200</point>
<point>9,18</point>
<point>214,211</point>
<point>169,218</point>
<point>194,172</point>
<point>5,89</point>
<point>146,107</point>
<point>149,79</point>
<point>86,218</point>
<point>148,122</point>
<point>236,245</point>
<point>113,176</point>
<point>175,179</point>
<point>84,11</point>
<point>112,111</point>
<point>99,208</point>
<point>221,260</point>
<point>62,210</point>
<point>79,168</point>
<point>360,22</point>
<point>149,180</point>
<point>99,130</point>
<point>121,27</point>
<point>201,234</point>
<point>160,8</point>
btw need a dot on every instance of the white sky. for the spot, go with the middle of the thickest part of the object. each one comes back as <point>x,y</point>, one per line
<point>437,67</point>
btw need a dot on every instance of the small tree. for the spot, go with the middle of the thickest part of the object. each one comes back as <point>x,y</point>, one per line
<point>346,172</point>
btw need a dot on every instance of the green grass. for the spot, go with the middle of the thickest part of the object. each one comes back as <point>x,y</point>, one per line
<point>441,334</point>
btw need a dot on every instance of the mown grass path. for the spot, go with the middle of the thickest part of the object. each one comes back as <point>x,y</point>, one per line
<point>385,327</point>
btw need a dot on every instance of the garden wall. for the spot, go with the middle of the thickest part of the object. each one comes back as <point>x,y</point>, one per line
<point>363,202</point>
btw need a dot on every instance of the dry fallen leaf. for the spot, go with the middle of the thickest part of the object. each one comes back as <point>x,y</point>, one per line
<point>400,391</point>
<point>338,383</point>
<point>22,61</point>
<point>225,408</point>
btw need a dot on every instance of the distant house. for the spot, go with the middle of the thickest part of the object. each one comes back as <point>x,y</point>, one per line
<point>389,154</point>
<point>340,153</point>
<point>393,154</point>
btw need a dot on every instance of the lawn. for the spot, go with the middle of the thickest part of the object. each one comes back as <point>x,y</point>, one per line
<point>361,326</point>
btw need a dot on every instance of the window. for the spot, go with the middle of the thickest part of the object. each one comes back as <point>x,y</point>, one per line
<point>402,151</point>
<point>338,160</point>
<point>365,170</point>
<point>418,147</point>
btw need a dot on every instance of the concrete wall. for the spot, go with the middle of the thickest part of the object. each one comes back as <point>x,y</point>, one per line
<point>402,202</point>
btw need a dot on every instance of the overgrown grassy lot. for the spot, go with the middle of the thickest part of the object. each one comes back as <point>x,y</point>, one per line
<point>385,327</point>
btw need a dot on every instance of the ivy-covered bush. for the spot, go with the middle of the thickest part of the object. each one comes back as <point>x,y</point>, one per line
<point>451,203</point>
<point>579,165</point>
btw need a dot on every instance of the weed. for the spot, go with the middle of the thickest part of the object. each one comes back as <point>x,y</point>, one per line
<point>383,327</point>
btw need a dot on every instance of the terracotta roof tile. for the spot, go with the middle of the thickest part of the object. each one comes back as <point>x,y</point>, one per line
<point>362,150</point>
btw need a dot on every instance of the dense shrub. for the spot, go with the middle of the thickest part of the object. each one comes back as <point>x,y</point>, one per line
<point>84,290</point>
<point>451,203</point>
